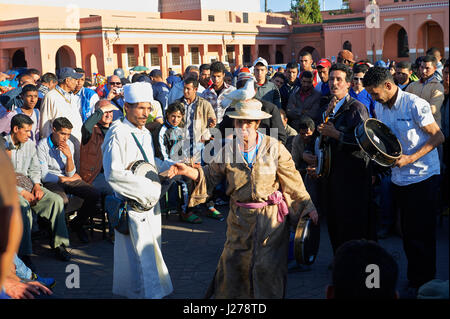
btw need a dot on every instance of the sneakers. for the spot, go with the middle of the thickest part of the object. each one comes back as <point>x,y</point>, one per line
<point>214,213</point>
<point>48,282</point>
<point>62,254</point>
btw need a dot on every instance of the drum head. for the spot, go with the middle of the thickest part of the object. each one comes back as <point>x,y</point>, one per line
<point>307,240</point>
<point>383,138</point>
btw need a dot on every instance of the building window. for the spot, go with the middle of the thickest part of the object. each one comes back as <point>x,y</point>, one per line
<point>245,17</point>
<point>131,57</point>
<point>175,56</point>
<point>211,18</point>
<point>195,56</point>
<point>154,56</point>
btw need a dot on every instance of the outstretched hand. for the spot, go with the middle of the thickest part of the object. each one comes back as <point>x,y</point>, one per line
<point>182,169</point>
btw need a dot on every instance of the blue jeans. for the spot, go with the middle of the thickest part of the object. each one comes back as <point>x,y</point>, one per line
<point>22,271</point>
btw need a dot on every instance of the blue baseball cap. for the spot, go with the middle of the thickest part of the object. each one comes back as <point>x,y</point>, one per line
<point>381,64</point>
<point>67,72</point>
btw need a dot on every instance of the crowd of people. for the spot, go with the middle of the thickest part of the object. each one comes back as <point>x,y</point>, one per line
<point>69,136</point>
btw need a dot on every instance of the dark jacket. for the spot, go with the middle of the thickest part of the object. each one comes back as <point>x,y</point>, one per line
<point>348,187</point>
<point>269,92</point>
<point>286,90</point>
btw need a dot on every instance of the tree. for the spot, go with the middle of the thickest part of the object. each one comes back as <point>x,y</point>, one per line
<point>306,11</point>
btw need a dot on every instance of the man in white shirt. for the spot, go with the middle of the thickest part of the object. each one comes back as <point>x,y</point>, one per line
<point>139,267</point>
<point>60,102</point>
<point>415,175</point>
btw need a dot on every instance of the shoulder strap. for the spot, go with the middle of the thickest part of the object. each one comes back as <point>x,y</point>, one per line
<point>140,147</point>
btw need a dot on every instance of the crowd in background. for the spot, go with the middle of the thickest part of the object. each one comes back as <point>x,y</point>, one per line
<point>53,126</point>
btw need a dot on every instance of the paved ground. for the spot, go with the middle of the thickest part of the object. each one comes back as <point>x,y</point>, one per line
<point>191,253</point>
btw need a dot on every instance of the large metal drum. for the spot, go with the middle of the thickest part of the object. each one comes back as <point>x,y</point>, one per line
<point>378,142</point>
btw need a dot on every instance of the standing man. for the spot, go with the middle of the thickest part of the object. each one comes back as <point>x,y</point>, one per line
<point>402,76</point>
<point>305,101</point>
<point>345,57</point>
<point>433,51</point>
<point>85,98</point>
<point>429,87</point>
<point>176,91</point>
<point>60,102</point>
<point>139,268</point>
<point>205,75</point>
<point>34,197</point>
<point>357,90</point>
<point>199,116</point>
<point>323,69</point>
<point>306,62</point>
<point>214,94</point>
<point>348,185</point>
<point>160,88</point>
<point>267,90</point>
<point>292,82</point>
<point>415,175</point>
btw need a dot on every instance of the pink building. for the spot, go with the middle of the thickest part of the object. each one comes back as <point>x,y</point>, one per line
<point>175,34</point>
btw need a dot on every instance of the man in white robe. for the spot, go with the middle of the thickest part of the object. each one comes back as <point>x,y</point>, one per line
<point>139,267</point>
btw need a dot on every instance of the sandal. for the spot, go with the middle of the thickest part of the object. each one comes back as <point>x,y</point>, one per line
<point>190,217</point>
<point>214,213</point>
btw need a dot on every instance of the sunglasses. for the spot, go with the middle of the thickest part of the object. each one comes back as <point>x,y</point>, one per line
<point>115,83</point>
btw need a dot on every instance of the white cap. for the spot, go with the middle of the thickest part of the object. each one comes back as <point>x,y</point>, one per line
<point>261,60</point>
<point>138,92</point>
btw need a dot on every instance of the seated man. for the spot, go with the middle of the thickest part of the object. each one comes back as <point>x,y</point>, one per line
<point>30,98</point>
<point>59,175</point>
<point>93,133</point>
<point>33,197</point>
<point>353,279</point>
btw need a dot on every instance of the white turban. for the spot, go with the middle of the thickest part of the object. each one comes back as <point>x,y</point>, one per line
<point>138,92</point>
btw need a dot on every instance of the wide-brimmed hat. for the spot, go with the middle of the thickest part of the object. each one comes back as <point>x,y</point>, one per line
<point>248,110</point>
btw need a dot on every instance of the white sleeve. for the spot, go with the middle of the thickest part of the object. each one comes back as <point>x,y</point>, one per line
<point>123,181</point>
<point>421,112</point>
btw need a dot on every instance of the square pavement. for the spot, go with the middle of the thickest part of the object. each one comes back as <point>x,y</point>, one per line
<point>191,253</point>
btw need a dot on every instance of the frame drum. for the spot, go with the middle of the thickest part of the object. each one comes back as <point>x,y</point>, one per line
<point>306,242</point>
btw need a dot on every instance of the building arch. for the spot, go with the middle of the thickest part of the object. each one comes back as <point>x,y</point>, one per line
<point>430,34</point>
<point>395,43</point>
<point>65,57</point>
<point>18,59</point>
<point>315,54</point>
<point>91,64</point>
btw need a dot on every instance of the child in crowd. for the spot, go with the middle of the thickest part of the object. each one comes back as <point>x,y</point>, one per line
<point>167,141</point>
